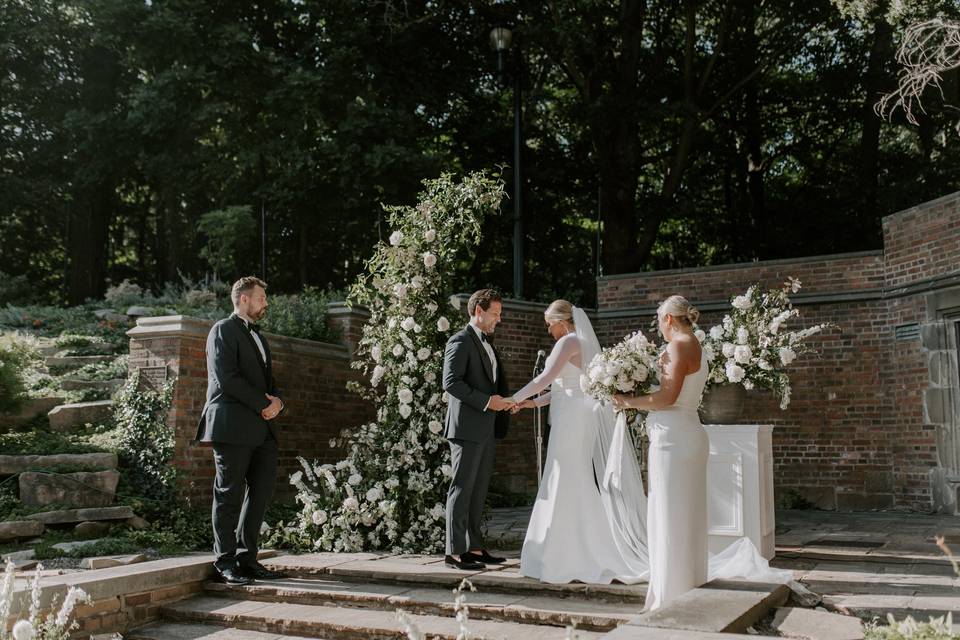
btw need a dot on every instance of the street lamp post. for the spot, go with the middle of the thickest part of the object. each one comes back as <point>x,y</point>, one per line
<point>500,40</point>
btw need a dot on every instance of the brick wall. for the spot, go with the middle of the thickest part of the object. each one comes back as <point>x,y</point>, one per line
<point>312,377</point>
<point>857,434</point>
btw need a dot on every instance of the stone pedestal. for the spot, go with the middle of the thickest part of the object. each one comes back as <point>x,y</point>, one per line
<point>740,486</point>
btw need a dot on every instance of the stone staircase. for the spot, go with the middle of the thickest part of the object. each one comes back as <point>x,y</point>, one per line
<point>350,596</point>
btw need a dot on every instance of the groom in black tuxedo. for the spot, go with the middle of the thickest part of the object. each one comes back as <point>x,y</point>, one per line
<point>475,382</point>
<point>242,402</point>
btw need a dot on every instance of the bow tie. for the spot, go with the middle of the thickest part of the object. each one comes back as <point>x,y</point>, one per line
<point>486,338</point>
<point>252,326</point>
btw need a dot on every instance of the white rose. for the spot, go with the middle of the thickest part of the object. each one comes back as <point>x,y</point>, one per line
<point>429,260</point>
<point>416,282</point>
<point>375,353</point>
<point>716,332</point>
<point>23,630</point>
<point>455,302</point>
<point>742,302</point>
<point>407,323</point>
<point>432,307</point>
<point>728,349</point>
<point>319,517</point>
<point>443,324</point>
<point>374,494</point>
<point>405,410</point>
<point>735,373</point>
<point>423,353</point>
<point>296,477</point>
<point>378,372</point>
<point>742,354</point>
<point>743,335</point>
<point>351,504</point>
<point>640,373</point>
<point>400,291</point>
<point>787,355</point>
<point>435,426</point>
<point>430,376</point>
<point>397,350</point>
<point>396,238</point>
<point>430,235</point>
<point>700,335</point>
<point>354,479</point>
<point>405,396</point>
<point>763,364</point>
<point>447,470</point>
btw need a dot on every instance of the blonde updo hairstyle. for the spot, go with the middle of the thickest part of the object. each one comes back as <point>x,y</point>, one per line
<point>680,308</point>
<point>559,311</point>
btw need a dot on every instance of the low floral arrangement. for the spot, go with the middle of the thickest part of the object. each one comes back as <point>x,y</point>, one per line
<point>751,347</point>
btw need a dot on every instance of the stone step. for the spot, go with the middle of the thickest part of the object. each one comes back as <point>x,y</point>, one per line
<point>430,571</point>
<point>32,407</point>
<point>15,529</point>
<point>344,623</point>
<point>522,608</point>
<point>66,416</point>
<point>867,607</point>
<point>75,384</point>
<point>10,465</point>
<point>71,516</point>
<point>74,362</point>
<point>81,489</point>
<point>180,631</point>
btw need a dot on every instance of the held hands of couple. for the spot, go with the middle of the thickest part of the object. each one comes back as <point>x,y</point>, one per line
<point>524,404</point>
<point>273,409</point>
<point>499,403</point>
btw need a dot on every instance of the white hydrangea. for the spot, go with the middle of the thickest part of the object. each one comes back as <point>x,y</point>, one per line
<point>354,479</point>
<point>742,302</point>
<point>351,504</point>
<point>728,349</point>
<point>378,373</point>
<point>716,332</point>
<point>742,354</point>
<point>743,335</point>
<point>787,355</point>
<point>376,353</point>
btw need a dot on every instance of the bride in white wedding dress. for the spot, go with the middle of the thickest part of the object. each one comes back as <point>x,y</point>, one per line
<point>590,519</point>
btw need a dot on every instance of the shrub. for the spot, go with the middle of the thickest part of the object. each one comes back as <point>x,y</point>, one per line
<point>12,388</point>
<point>144,440</point>
<point>303,315</point>
<point>124,294</point>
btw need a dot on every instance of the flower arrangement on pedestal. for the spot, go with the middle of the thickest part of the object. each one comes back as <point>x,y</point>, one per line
<point>752,348</point>
<point>389,491</point>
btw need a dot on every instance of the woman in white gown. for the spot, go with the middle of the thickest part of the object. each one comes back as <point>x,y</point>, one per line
<point>677,508</point>
<point>570,536</point>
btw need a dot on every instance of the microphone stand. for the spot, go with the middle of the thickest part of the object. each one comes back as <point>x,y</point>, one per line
<point>538,422</point>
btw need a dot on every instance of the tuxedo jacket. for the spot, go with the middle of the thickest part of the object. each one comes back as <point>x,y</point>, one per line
<point>238,380</point>
<point>468,381</point>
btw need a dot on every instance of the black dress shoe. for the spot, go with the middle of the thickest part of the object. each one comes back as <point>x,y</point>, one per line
<point>464,564</point>
<point>483,557</point>
<point>260,572</point>
<point>233,576</point>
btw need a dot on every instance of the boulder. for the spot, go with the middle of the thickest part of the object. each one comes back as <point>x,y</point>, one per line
<point>67,547</point>
<point>138,523</point>
<point>13,529</point>
<point>66,416</point>
<point>10,465</point>
<point>81,489</point>
<point>91,530</point>
<point>137,311</point>
<point>32,407</point>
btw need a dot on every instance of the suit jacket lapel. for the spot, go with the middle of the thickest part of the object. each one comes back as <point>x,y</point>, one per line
<point>256,350</point>
<point>484,358</point>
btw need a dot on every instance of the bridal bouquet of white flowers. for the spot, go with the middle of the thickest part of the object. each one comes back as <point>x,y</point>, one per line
<point>751,347</point>
<point>628,367</point>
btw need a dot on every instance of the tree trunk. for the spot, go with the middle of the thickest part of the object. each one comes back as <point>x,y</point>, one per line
<point>876,82</point>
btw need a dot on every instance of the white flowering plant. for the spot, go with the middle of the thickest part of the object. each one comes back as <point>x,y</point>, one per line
<point>57,625</point>
<point>389,492</point>
<point>629,367</point>
<point>751,347</point>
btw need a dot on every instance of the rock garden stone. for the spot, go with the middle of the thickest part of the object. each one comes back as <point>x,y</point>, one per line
<point>137,311</point>
<point>66,416</point>
<point>138,523</point>
<point>10,465</point>
<point>80,489</point>
<point>14,529</point>
<point>67,547</point>
<point>105,562</point>
<point>32,408</point>
<point>67,516</point>
<point>91,530</point>
<point>816,625</point>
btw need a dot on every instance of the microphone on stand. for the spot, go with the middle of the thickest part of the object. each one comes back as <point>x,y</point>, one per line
<point>538,425</point>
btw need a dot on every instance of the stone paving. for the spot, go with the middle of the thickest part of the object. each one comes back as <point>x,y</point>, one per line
<point>864,564</point>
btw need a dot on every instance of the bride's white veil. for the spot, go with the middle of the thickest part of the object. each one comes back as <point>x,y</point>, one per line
<point>616,468</point>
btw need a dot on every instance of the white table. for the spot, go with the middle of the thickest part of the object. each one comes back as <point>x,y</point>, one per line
<point>740,486</point>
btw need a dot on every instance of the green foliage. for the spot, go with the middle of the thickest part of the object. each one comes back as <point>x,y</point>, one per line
<point>910,629</point>
<point>230,232</point>
<point>12,389</point>
<point>43,442</point>
<point>145,442</point>
<point>15,289</point>
<point>112,370</point>
<point>303,315</point>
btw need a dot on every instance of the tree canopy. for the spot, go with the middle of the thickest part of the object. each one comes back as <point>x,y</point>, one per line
<point>659,133</point>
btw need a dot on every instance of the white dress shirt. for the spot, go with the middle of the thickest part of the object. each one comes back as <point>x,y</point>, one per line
<point>488,349</point>
<point>256,338</point>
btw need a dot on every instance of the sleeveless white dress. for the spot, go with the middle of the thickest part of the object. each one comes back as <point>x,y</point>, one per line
<point>677,502</point>
<point>569,536</point>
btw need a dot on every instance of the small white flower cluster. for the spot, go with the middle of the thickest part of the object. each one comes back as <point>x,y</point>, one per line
<point>750,347</point>
<point>56,626</point>
<point>389,490</point>
<point>629,367</point>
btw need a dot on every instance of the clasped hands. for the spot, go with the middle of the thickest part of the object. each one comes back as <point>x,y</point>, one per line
<point>499,403</point>
<point>273,409</point>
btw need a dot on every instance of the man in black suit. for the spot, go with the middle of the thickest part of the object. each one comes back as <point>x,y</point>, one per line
<point>242,402</point>
<point>474,380</point>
